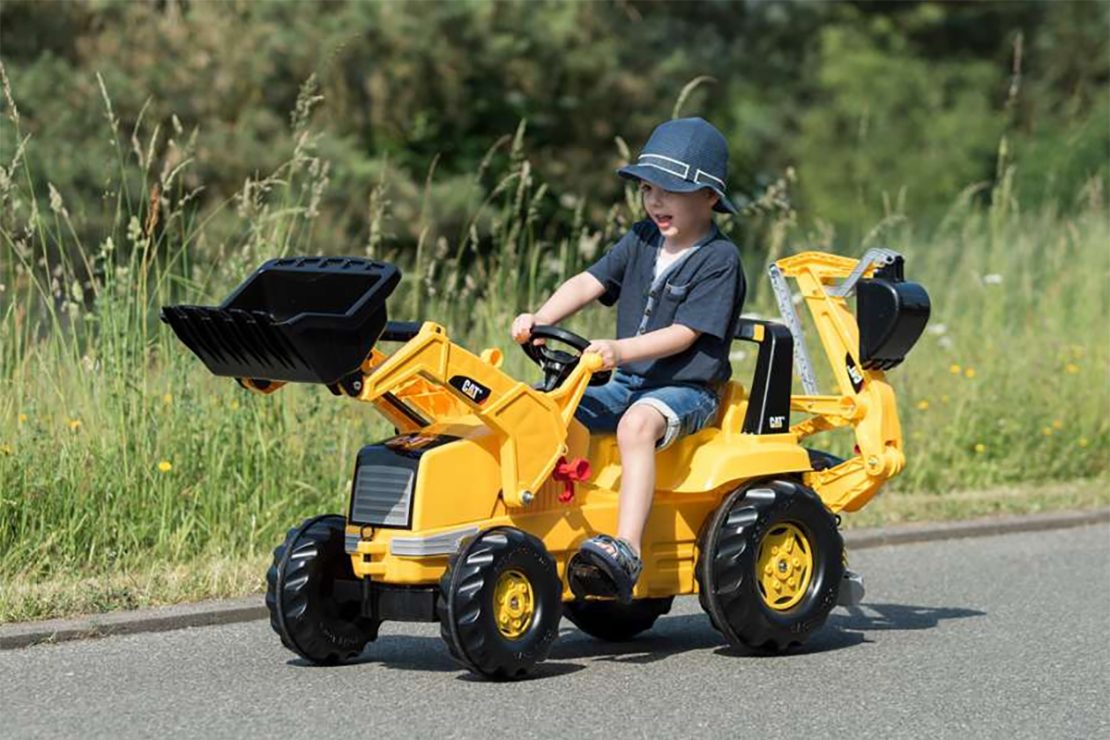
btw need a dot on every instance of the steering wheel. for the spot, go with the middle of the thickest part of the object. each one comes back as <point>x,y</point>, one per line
<point>555,363</point>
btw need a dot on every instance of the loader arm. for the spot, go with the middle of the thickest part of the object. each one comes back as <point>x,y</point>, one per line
<point>531,426</point>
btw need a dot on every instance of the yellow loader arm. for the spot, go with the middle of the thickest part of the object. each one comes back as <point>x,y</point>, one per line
<point>531,426</point>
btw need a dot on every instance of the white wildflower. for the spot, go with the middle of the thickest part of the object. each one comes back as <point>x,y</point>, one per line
<point>588,244</point>
<point>945,342</point>
<point>134,230</point>
<point>56,203</point>
<point>796,299</point>
<point>738,356</point>
<point>938,330</point>
<point>992,279</point>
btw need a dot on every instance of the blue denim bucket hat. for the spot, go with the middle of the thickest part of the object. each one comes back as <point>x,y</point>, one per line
<point>682,156</point>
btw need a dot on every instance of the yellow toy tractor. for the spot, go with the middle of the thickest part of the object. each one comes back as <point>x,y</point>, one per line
<point>470,513</point>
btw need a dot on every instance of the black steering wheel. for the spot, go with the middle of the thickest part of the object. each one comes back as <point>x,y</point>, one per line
<point>555,363</point>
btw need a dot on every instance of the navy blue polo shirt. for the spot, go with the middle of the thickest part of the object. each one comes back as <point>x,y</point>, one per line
<point>704,291</point>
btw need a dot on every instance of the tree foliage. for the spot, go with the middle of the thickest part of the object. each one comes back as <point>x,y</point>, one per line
<point>878,107</point>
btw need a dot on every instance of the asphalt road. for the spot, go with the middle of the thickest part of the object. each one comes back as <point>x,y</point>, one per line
<point>1005,636</point>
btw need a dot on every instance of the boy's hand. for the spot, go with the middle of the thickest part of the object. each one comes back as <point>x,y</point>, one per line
<point>609,350</point>
<point>522,327</point>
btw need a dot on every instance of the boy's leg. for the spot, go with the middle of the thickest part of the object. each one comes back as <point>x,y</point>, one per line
<point>654,420</point>
<point>637,433</point>
<point>602,405</point>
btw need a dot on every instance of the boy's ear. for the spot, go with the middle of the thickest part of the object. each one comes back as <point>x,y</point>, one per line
<point>713,197</point>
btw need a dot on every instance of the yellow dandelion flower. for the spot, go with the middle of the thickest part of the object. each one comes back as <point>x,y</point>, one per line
<point>1083,442</point>
<point>5,449</point>
<point>1071,368</point>
<point>922,405</point>
<point>167,399</point>
<point>74,425</point>
<point>1057,424</point>
<point>1046,431</point>
<point>980,448</point>
<point>954,369</point>
<point>165,466</point>
<point>969,373</point>
<point>234,404</point>
<point>22,419</point>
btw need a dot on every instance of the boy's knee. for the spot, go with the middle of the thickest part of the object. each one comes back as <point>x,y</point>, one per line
<point>640,425</point>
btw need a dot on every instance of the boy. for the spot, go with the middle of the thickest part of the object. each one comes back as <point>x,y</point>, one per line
<point>679,286</point>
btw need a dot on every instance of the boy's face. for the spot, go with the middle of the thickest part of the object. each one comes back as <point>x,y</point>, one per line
<point>679,216</point>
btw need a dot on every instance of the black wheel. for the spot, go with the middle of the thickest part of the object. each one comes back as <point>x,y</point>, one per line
<point>310,609</point>
<point>770,565</point>
<point>500,603</point>
<point>614,621</point>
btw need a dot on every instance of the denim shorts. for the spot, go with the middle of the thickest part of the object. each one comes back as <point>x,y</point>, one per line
<point>687,408</point>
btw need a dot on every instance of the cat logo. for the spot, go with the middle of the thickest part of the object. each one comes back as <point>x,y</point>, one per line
<point>472,389</point>
<point>776,422</point>
<point>854,375</point>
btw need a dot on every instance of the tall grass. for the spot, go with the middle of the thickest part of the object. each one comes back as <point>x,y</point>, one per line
<point>121,457</point>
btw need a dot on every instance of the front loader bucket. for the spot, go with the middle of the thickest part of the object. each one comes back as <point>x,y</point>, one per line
<point>298,319</point>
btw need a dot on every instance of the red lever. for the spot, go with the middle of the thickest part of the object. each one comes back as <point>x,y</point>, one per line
<point>569,471</point>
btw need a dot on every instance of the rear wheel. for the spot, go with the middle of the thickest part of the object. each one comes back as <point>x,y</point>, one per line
<point>614,621</point>
<point>310,594</point>
<point>770,565</point>
<point>500,603</point>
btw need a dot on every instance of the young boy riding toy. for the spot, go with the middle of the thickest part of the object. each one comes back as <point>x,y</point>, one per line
<point>493,512</point>
<point>678,285</point>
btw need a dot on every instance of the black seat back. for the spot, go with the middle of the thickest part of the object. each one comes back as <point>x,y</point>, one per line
<point>769,399</point>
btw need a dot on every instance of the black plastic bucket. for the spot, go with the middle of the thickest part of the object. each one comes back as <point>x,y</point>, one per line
<point>298,319</point>
<point>891,315</point>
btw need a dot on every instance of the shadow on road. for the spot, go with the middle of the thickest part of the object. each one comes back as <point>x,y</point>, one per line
<point>404,652</point>
<point>844,630</point>
<point>870,617</point>
<point>670,636</point>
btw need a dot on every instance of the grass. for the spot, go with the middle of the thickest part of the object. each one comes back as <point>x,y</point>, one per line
<point>129,476</point>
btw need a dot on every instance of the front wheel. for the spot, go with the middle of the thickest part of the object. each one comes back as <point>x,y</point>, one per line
<point>310,610</point>
<point>500,603</point>
<point>770,565</point>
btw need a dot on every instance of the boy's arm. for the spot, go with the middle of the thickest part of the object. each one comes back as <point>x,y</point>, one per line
<point>571,296</point>
<point>568,299</point>
<point>669,340</point>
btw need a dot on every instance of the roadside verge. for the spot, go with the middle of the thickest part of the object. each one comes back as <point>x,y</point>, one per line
<point>248,608</point>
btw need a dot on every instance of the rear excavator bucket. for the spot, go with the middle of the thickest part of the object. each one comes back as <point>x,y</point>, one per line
<point>298,319</point>
<point>891,314</point>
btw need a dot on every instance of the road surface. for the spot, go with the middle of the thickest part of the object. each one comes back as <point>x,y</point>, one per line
<point>1005,636</point>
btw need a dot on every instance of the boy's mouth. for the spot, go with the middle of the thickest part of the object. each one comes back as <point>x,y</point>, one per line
<point>663,220</point>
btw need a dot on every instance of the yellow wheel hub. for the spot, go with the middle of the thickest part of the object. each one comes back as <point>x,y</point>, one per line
<point>513,604</point>
<point>784,566</point>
